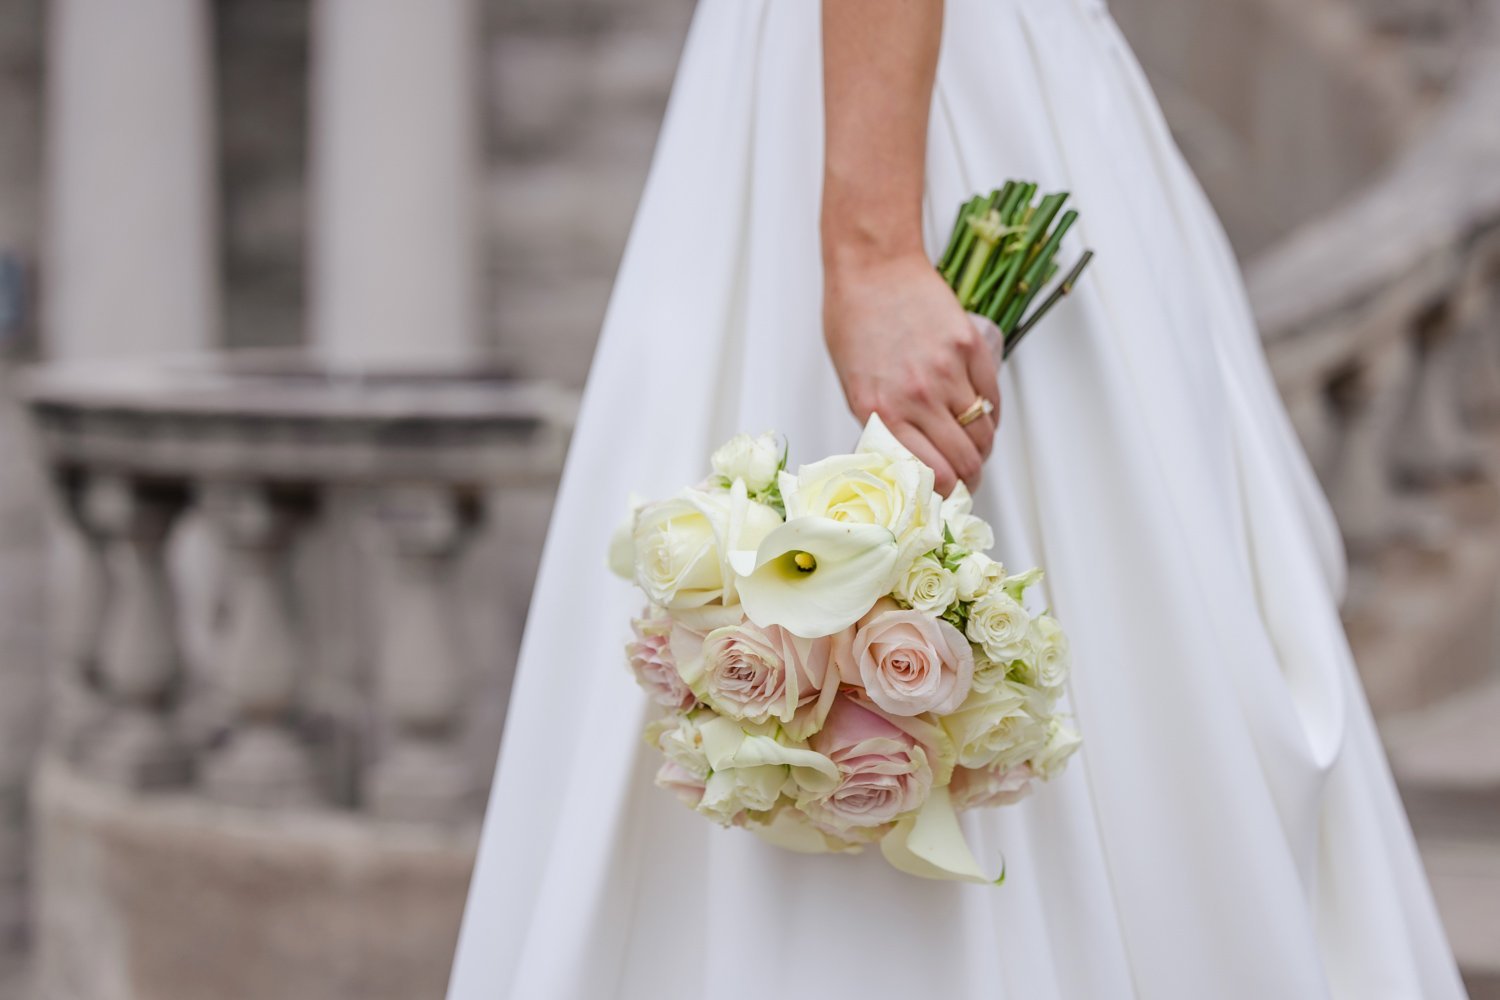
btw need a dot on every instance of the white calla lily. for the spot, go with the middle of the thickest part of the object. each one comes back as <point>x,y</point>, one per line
<point>815,576</point>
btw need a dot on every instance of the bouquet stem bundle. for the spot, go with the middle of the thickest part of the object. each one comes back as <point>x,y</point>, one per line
<point>1001,255</point>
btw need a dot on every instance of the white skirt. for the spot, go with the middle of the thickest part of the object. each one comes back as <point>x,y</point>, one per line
<point>1230,828</point>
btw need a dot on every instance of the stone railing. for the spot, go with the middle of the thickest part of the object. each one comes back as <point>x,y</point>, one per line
<point>246,500</point>
<point>1382,324</point>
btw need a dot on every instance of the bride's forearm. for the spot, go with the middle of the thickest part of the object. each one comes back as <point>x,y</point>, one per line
<point>879,60</point>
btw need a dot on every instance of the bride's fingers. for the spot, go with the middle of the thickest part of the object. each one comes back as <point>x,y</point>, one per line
<point>918,444</point>
<point>963,456</point>
<point>984,374</point>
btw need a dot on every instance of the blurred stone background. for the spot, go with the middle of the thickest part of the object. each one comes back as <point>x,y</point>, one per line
<point>295,298</point>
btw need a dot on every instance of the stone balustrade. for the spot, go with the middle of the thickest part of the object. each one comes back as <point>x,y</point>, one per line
<point>1382,326</point>
<point>248,534</point>
<point>255,446</point>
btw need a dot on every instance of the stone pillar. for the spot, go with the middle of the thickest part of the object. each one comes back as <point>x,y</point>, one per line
<point>394,157</point>
<point>132,260</point>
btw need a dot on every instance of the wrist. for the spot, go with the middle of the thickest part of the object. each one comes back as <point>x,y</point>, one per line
<point>855,256</point>
<point>858,234</point>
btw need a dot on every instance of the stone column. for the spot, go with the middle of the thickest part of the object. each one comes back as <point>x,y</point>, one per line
<point>132,261</point>
<point>394,156</point>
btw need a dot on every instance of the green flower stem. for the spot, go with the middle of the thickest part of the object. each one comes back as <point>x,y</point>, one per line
<point>1057,295</point>
<point>1036,225</point>
<point>1000,256</point>
<point>987,234</point>
<point>964,212</point>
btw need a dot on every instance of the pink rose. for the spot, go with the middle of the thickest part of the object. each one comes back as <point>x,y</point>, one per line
<point>981,788</point>
<point>884,769</point>
<point>757,674</point>
<point>681,782</point>
<point>652,662</point>
<point>910,662</point>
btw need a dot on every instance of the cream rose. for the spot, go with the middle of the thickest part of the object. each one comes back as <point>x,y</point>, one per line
<point>749,771</point>
<point>758,674</point>
<point>909,662</point>
<point>680,739</point>
<point>927,586</point>
<point>975,575</point>
<point>1061,742</point>
<point>756,460</point>
<point>682,545</point>
<point>1051,655</point>
<point>884,771</point>
<point>652,662</point>
<point>999,727</point>
<point>970,533</point>
<point>881,484</point>
<point>1000,626</point>
<point>989,674</point>
<point>983,788</point>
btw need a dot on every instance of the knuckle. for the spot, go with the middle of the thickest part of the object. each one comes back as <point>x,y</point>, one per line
<point>968,340</point>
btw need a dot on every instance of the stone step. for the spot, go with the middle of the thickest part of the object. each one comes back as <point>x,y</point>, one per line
<point>1465,877</point>
<point>1446,758</point>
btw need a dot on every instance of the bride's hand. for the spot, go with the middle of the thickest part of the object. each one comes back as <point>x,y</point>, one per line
<point>905,349</point>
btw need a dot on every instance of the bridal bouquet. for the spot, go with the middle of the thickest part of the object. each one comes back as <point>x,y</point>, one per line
<point>838,661</point>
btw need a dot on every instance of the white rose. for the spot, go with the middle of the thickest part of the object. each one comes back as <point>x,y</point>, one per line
<point>957,502</point>
<point>682,545</point>
<point>748,772</point>
<point>970,533</point>
<point>756,460</point>
<point>997,728</point>
<point>999,624</point>
<point>976,575</point>
<point>1051,656</point>
<point>927,586</point>
<point>881,484</point>
<point>1060,744</point>
<point>988,674</point>
<point>622,542</point>
<point>680,738</point>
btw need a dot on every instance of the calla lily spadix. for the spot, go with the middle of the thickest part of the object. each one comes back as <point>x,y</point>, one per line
<point>815,576</point>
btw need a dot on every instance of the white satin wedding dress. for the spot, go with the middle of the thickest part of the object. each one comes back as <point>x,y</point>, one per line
<point>1230,828</point>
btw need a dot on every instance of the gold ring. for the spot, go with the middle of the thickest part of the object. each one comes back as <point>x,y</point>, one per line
<point>981,407</point>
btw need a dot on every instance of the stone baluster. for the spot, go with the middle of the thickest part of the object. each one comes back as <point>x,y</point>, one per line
<point>1372,403</point>
<point>140,665</point>
<point>420,673</point>
<point>1307,406</point>
<point>262,658</point>
<point>1434,445</point>
<point>1477,307</point>
<point>79,708</point>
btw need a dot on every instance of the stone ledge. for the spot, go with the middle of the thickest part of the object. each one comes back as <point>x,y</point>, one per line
<point>170,897</point>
